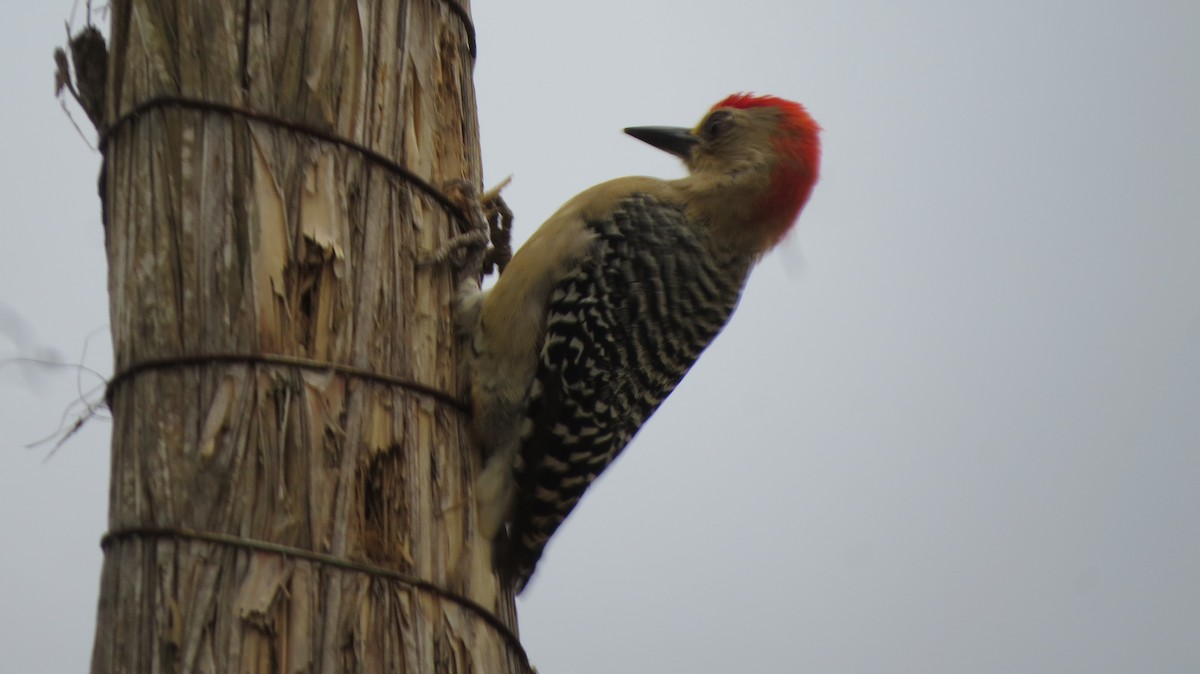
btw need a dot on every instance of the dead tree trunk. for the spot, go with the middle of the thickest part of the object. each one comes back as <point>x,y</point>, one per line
<point>282,500</point>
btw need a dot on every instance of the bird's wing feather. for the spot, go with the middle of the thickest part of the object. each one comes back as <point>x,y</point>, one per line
<point>623,327</point>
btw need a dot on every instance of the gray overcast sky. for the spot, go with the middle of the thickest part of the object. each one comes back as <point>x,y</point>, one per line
<point>954,426</point>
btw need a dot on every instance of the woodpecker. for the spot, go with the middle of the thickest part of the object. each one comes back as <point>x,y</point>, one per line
<point>605,308</point>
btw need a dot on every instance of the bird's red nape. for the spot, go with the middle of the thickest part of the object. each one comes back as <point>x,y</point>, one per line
<point>799,147</point>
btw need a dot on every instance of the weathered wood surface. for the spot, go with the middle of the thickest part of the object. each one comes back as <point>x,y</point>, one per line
<point>234,236</point>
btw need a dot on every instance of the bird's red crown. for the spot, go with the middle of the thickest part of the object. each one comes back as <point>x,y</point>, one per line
<point>799,147</point>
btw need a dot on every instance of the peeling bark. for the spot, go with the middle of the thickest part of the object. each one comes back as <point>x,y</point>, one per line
<point>233,236</point>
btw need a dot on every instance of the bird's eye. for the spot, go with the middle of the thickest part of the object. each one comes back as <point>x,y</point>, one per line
<point>717,124</point>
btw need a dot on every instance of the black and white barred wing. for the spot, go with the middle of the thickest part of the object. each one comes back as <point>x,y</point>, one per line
<point>622,330</point>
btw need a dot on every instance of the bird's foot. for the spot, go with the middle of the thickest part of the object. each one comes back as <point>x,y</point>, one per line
<point>485,245</point>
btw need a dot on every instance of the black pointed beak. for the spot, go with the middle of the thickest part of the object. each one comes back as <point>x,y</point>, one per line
<point>676,140</point>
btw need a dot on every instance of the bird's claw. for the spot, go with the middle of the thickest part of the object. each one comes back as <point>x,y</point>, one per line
<point>485,245</point>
